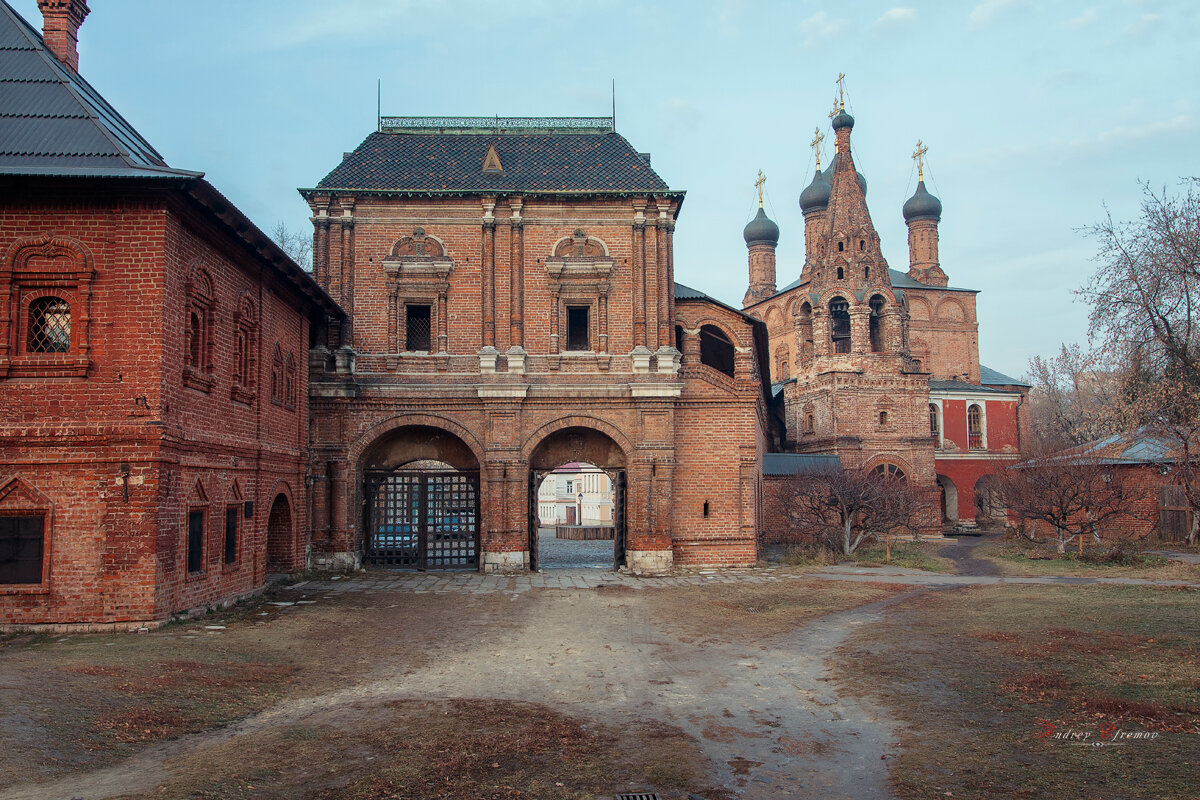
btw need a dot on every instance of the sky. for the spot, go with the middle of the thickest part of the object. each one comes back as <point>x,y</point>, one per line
<point>1040,117</point>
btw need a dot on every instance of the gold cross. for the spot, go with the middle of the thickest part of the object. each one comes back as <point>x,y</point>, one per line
<point>815,144</point>
<point>841,83</point>
<point>919,155</point>
<point>833,111</point>
<point>758,184</point>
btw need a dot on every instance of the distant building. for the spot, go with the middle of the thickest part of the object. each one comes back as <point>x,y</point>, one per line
<point>576,494</point>
<point>877,366</point>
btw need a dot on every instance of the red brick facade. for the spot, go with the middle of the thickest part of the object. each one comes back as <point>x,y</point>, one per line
<point>499,388</point>
<point>114,441</point>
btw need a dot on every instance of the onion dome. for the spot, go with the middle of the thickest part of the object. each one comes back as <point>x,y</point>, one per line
<point>815,196</point>
<point>922,205</point>
<point>761,230</point>
<point>842,120</point>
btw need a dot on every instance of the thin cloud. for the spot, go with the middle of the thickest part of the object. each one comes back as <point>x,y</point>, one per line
<point>820,26</point>
<point>989,11</point>
<point>1144,24</point>
<point>1088,17</point>
<point>895,16</point>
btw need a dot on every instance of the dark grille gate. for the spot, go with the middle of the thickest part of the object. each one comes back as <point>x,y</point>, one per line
<point>619,518</point>
<point>423,520</point>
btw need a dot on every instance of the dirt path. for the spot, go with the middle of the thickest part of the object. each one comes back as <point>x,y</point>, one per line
<point>768,716</point>
<point>961,553</point>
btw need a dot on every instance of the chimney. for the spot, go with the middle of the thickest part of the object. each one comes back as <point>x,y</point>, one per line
<point>60,28</point>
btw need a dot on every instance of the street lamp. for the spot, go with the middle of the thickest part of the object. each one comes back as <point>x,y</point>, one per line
<point>580,498</point>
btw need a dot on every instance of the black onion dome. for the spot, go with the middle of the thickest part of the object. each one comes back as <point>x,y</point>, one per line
<point>761,230</point>
<point>815,196</point>
<point>922,205</point>
<point>843,120</point>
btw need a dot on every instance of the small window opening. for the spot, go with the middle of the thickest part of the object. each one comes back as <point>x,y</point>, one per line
<point>195,541</point>
<point>716,350</point>
<point>875,324</point>
<point>21,543</point>
<point>49,325</point>
<point>841,246</point>
<point>934,427</point>
<point>862,245</point>
<point>810,423</point>
<point>706,508</point>
<point>839,311</point>
<point>231,526</point>
<point>417,320</point>
<point>883,418</point>
<point>577,328</point>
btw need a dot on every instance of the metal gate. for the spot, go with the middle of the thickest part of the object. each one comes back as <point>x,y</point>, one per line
<point>423,520</point>
<point>619,518</point>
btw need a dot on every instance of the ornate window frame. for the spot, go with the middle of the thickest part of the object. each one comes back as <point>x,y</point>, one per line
<point>44,266</point>
<point>199,367</point>
<point>245,351</point>
<point>579,270</point>
<point>417,272</point>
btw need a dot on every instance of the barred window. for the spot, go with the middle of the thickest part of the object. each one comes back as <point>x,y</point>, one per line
<point>22,540</point>
<point>49,326</point>
<point>417,328</point>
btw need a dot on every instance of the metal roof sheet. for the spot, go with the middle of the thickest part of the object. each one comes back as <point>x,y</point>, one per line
<point>50,112</point>
<point>990,377</point>
<point>799,463</point>
<point>531,162</point>
<point>963,386</point>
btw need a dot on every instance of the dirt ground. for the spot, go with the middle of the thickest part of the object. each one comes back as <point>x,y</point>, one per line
<point>762,684</point>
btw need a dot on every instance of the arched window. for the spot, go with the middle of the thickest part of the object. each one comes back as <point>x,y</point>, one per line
<point>839,324</point>
<point>49,326</point>
<point>290,379</point>
<point>716,350</point>
<point>195,339</point>
<point>277,376</point>
<point>245,351</point>
<point>783,369</point>
<point>876,324</point>
<point>889,471</point>
<point>975,427</point>
<point>804,331</point>
<point>198,369</point>
<point>935,427</point>
<point>841,273</point>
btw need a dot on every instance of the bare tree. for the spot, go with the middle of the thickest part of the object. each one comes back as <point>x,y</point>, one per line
<point>1073,396</point>
<point>847,507</point>
<point>1072,492</point>
<point>1145,299</point>
<point>296,245</point>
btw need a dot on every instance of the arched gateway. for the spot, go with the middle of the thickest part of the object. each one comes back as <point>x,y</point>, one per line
<point>421,493</point>
<point>579,444</point>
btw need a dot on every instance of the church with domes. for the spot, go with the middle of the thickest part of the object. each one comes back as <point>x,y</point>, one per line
<point>876,365</point>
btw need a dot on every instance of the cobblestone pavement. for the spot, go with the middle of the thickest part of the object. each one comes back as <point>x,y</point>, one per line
<point>555,553</point>
<point>382,581</point>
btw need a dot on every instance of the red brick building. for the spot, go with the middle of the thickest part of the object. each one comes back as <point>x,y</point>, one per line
<point>512,308</point>
<point>153,363</point>
<point>877,366</point>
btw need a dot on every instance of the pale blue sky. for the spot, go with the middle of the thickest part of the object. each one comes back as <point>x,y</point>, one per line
<point>1035,113</point>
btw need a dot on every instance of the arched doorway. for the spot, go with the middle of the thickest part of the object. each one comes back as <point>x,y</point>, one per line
<point>989,504</point>
<point>281,543</point>
<point>576,515</point>
<point>573,448</point>
<point>949,493</point>
<point>421,501</point>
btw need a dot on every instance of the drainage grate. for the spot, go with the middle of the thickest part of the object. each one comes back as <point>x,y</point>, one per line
<point>638,796</point>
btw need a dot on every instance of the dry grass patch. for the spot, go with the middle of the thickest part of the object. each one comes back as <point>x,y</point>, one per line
<point>752,611</point>
<point>447,750</point>
<point>1019,558</point>
<point>980,675</point>
<point>907,554</point>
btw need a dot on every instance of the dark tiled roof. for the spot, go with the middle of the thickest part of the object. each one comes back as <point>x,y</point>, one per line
<point>963,386</point>
<point>799,463</point>
<point>52,122</point>
<point>990,377</point>
<point>531,162</point>
<point>900,280</point>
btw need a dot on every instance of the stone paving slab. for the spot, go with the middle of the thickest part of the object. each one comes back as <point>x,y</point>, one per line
<point>375,581</point>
